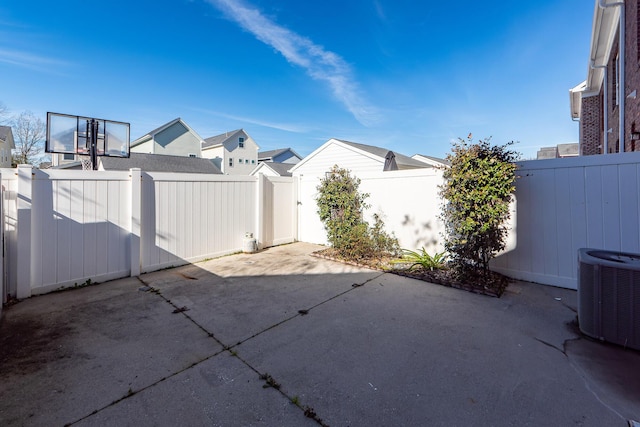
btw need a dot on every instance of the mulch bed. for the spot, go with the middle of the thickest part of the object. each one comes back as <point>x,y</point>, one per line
<point>445,277</point>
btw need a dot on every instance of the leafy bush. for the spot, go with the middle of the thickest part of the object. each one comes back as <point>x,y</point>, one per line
<point>341,206</point>
<point>479,185</point>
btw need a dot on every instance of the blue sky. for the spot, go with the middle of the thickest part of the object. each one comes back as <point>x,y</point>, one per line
<point>406,75</point>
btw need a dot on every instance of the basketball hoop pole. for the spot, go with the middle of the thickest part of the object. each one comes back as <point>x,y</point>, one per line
<point>92,130</point>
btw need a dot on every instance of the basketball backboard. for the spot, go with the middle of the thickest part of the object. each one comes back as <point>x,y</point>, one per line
<point>67,134</point>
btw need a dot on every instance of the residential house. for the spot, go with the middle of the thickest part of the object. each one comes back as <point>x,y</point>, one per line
<point>607,102</point>
<point>430,160</point>
<point>272,169</point>
<point>158,163</point>
<point>175,138</point>
<point>280,155</point>
<point>560,151</point>
<point>6,145</point>
<point>235,153</point>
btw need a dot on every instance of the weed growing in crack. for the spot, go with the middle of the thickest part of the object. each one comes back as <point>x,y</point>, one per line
<point>270,382</point>
<point>295,400</point>
<point>310,413</point>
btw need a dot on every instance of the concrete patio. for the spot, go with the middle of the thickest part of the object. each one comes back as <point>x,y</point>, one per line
<point>355,347</point>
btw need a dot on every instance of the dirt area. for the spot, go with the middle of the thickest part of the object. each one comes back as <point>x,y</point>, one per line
<point>494,287</point>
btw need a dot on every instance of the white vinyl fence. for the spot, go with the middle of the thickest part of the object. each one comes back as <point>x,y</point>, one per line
<point>406,200</point>
<point>63,228</point>
<point>566,204</point>
<point>561,206</point>
<point>66,228</point>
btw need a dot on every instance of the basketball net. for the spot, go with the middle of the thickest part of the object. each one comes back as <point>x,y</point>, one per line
<point>86,163</point>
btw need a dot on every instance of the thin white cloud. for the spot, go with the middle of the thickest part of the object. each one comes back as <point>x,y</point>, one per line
<point>29,60</point>
<point>320,64</point>
<point>273,125</point>
<point>379,10</point>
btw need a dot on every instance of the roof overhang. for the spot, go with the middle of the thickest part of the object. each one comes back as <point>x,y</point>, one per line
<point>605,27</point>
<point>575,99</point>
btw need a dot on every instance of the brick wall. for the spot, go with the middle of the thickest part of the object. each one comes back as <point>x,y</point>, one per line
<point>591,142</point>
<point>632,75</point>
<point>591,126</point>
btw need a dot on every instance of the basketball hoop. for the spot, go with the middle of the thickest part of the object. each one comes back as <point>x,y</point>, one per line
<point>86,137</point>
<point>87,164</point>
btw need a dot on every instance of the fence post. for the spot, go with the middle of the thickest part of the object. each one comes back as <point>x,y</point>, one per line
<point>296,207</point>
<point>136,221</point>
<point>23,231</point>
<point>260,212</point>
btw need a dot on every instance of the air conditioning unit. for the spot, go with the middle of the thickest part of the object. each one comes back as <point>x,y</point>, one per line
<point>609,296</point>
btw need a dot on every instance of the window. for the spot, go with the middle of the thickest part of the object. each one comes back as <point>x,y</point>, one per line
<point>240,161</point>
<point>230,161</point>
<point>241,142</point>
<point>68,156</point>
<point>253,162</point>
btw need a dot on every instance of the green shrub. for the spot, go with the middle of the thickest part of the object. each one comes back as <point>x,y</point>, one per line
<point>423,259</point>
<point>341,206</point>
<point>479,185</point>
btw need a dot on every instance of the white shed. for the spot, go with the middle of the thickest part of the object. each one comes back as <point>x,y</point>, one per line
<point>360,159</point>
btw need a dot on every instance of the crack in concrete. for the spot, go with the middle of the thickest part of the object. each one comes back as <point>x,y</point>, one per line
<point>308,411</point>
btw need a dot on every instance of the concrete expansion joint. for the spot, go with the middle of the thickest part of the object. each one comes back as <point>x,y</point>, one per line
<point>270,382</point>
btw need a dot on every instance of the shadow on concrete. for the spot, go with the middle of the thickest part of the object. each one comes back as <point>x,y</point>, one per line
<point>353,346</point>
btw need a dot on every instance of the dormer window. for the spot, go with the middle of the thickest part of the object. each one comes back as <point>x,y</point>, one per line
<point>241,142</point>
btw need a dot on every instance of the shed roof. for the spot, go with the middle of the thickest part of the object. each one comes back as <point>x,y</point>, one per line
<point>403,162</point>
<point>377,153</point>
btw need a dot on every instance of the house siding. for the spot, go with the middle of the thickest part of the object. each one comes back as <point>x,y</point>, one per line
<point>216,155</point>
<point>176,140</point>
<point>231,149</point>
<point>248,154</point>
<point>145,148</point>
<point>286,157</point>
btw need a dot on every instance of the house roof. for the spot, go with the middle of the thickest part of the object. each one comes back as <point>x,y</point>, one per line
<point>281,169</point>
<point>568,150</point>
<point>6,135</point>
<point>575,98</point>
<point>160,163</point>
<point>270,154</point>
<point>157,130</point>
<point>603,34</point>
<point>220,139</point>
